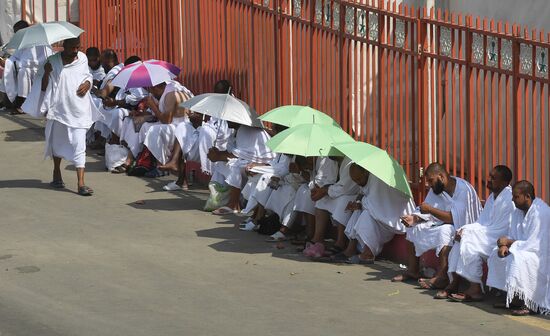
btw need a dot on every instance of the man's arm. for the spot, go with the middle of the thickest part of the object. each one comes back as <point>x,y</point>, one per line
<point>444,216</point>
<point>46,77</point>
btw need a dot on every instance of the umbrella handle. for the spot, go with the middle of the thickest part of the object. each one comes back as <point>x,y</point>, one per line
<point>221,115</point>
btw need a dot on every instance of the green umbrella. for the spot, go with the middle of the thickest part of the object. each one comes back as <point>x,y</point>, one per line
<point>293,115</point>
<point>309,140</point>
<point>378,162</point>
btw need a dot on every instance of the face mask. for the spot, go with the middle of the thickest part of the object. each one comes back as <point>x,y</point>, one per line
<point>438,188</point>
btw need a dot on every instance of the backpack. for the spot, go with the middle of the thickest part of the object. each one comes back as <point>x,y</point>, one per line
<point>144,163</point>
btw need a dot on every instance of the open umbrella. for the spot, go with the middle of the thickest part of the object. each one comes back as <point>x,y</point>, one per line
<point>43,34</point>
<point>292,115</point>
<point>378,162</point>
<point>145,74</point>
<point>309,140</point>
<point>223,106</point>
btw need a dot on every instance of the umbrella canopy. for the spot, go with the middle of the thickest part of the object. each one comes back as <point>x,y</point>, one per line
<point>378,162</point>
<point>293,115</point>
<point>144,74</point>
<point>42,34</point>
<point>309,140</point>
<point>223,106</point>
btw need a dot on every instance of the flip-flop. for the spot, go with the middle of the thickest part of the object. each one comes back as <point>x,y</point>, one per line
<point>58,184</point>
<point>462,297</point>
<point>442,295</point>
<point>338,258</point>
<point>356,260</point>
<point>119,170</point>
<point>523,311</point>
<point>85,191</point>
<point>276,237</point>
<point>404,277</point>
<point>225,210</point>
<point>427,285</point>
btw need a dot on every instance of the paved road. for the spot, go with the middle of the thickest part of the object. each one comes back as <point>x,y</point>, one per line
<point>107,266</point>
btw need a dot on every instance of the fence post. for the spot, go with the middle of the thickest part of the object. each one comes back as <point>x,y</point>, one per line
<point>470,103</point>
<point>421,102</point>
<point>516,94</point>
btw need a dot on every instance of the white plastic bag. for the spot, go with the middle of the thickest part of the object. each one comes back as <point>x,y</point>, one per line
<point>219,196</point>
<point>115,155</point>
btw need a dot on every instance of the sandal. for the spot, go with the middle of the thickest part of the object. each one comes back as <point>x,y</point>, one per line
<point>523,311</point>
<point>85,191</point>
<point>404,277</point>
<point>442,295</point>
<point>462,297</point>
<point>276,237</point>
<point>58,184</point>
<point>357,260</point>
<point>119,170</point>
<point>225,210</point>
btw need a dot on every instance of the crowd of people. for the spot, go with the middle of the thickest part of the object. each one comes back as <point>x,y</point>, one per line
<point>145,131</point>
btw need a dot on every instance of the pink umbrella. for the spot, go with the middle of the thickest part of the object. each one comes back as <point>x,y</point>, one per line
<point>145,74</point>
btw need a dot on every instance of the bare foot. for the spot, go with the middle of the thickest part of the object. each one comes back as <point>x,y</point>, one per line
<point>170,166</point>
<point>406,276</point>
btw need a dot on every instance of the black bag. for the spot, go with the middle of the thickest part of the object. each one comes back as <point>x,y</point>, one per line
<point>269,225</point>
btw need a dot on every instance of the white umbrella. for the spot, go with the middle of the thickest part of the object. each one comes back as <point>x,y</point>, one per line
<point>224,106</point>
<point>145,74</point>
<point>43,34</point>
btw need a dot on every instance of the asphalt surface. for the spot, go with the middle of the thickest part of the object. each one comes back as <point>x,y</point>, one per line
<point>133,260</point>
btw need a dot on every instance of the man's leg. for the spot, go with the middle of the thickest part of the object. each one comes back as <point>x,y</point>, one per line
<point>234,198</point>
<point>413,265</point>
<point>441,279</point>
<point>341,238</point>
<point>351,250</point>
<point>80,177</point>
<point>57,169</point>
<point>173,164</point>
<point>322,219</point>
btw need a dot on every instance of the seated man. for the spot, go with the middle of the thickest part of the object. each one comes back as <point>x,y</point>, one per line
<point>520,264</point>
<point>331,203</point>
<point>163,102</point>
<point>260,186</point>
<point>324,175</point>
<point>248,146</point>
<point>451,203</point>
<point>283,197</point>
<point>27,62</point>
<point>97,71</point>
<point>474,242</point>
<point>375,220</point>
<point>118,108</point>
<point>211,131</point>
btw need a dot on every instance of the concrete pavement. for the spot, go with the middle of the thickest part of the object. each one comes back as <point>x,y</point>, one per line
<point>104,265</point>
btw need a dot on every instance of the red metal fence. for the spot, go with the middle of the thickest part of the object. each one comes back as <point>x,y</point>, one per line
<point>34,11</point>
<point>426,86</point>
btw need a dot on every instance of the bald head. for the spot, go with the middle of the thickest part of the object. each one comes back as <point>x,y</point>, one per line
<point>523,194</point>
<point>437,177</point>
<point>436,168</point>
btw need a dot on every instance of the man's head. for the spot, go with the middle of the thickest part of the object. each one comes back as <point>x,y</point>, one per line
<point>109,59</point>
<point>359,174</point>
<point>223,86</point>
<point>437,177</point>
<point>71,47</point>
<point>233,125</point>
<point>499,178</point>
<point>93,55</point>
<point>131,60</point>
<point>278,128</point>
<point>157,90</point>
<point>20,25</point>
<point>523,195</point>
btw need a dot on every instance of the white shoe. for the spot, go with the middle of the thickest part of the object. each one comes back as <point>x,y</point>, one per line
<point>247,226</point>
<point>172,186</point>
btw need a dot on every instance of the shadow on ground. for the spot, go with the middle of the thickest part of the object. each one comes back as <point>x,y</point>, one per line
<point>29,184</point>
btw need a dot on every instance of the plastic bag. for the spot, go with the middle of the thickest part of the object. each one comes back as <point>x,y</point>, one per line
<point>115,155</point>
<point>219,196</point>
